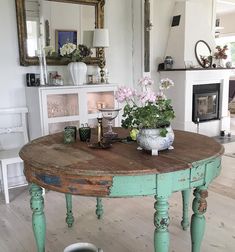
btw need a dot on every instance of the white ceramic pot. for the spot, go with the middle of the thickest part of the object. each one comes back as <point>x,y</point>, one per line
<point>82,247</point>
<point>150,139</point>
<point>78,72</point>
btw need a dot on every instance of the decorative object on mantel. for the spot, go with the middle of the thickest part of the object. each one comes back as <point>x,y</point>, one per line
<point>221,55</point>
<point>188,64</point>
<point>150,113</point>
<point>77,68</point>
<point>228,64</point>
<point>168,62</point>
<point>101,41</point>
<point>203,54</point>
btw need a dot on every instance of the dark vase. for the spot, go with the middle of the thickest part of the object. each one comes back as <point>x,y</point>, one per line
<point>168,62</point>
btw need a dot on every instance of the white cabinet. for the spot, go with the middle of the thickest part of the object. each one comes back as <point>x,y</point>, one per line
<point>52,108</point>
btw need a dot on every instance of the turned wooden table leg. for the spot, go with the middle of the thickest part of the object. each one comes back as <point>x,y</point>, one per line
<point>161,222</point>
<point>99,208</point>
<point>69,215</point>
<point>198,219</point>
<point>185,218</point>
<point>38,217</point>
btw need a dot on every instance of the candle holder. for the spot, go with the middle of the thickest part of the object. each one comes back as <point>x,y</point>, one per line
<point>110,115</point>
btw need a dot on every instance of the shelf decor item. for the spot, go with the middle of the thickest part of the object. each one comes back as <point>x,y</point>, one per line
<point>151,113</point>
<point>168,63</point>
<point>221,55</point>
<point>77,68</point>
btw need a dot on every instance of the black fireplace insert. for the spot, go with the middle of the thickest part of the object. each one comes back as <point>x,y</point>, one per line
<point>206,99</point>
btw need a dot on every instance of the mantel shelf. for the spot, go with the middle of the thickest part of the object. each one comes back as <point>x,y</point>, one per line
<point>196,69</point>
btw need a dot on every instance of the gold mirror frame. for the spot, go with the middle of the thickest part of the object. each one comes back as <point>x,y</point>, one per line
<point>25,60</point>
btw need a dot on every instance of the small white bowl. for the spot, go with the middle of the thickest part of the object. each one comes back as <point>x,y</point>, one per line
<point>82,247</point>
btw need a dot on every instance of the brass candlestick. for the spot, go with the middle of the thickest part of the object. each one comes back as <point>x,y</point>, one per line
<point>100,130</point>
<point>101,64</point>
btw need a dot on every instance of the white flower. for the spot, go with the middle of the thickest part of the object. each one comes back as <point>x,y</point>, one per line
<point>67,49</point>
<point>148,96</point>
<point>166,83</point>
<point>145,81</point>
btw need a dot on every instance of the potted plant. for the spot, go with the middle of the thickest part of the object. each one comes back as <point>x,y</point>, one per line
<point>221,55</point>
<point>77,68</point>
<point>151,113</point>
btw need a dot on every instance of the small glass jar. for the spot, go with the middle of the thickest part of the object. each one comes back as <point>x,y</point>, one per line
<point>168,62</point>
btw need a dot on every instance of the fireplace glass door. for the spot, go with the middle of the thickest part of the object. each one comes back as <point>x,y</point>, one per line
<point>205,104</point>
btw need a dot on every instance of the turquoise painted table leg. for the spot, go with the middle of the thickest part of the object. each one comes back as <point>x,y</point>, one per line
<point>99,208</point>
<point>161,222</point>
<point>185,218</point>
<point>69,216</point>
<point>198,219</point>
<point>38,218</point>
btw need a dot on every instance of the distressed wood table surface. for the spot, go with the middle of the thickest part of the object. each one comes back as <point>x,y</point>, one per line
<point>123,171</point>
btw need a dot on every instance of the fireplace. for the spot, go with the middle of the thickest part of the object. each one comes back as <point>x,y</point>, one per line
<point>206,99</point>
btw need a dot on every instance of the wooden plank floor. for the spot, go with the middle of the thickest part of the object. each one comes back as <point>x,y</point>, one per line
<point>127,225</point>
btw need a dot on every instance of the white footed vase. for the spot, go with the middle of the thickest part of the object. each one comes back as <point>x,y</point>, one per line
<point>78,72</point>
<point>150,139</point>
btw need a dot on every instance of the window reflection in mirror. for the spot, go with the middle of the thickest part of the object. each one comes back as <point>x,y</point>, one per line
<point>59,16</point>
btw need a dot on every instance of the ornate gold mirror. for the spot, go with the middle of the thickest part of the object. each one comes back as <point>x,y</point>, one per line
<point>53,19</point>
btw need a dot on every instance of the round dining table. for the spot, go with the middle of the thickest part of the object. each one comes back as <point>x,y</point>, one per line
<point>124,171</point>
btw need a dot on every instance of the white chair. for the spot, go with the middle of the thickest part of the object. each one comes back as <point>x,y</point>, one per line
<point>17,118</point>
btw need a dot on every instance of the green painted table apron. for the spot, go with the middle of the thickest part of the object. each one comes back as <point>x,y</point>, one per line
<point>122,171</point>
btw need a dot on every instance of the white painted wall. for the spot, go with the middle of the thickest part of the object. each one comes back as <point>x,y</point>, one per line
<point>162,12</point>
<point>195,24</point>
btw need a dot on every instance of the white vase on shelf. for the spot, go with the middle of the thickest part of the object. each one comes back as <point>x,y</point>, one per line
<point>78,72</point>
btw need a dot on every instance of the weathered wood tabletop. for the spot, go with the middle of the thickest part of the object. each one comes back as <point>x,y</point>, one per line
<point>50,155</point>
<point>122,171</point>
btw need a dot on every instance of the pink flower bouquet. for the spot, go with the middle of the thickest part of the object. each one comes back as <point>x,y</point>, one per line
<point>146,109</point>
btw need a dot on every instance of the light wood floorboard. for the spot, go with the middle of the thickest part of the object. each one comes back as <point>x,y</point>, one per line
<point>127,225</point>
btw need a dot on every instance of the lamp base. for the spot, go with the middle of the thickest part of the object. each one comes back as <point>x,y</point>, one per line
<point>101,64</point>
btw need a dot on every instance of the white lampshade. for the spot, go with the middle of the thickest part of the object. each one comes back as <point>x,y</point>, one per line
<point>88,38</point>
<point>101,38</point>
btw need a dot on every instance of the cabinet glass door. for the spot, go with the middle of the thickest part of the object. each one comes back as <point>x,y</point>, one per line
<point>60,105</point>
<point>96,100</point>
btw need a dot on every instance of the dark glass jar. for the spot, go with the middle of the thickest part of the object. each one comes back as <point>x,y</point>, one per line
<point>168,62</point>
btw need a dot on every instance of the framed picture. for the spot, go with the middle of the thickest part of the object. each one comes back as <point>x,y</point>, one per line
<point>64,36</point>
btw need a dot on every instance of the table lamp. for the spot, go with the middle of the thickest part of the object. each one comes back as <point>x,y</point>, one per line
<point>101,41</point>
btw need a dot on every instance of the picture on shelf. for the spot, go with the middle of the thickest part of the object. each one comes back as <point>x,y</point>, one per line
<point>64,36</point>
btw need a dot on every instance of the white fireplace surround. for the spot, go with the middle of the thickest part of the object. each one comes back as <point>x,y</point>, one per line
<point>182,98</point>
